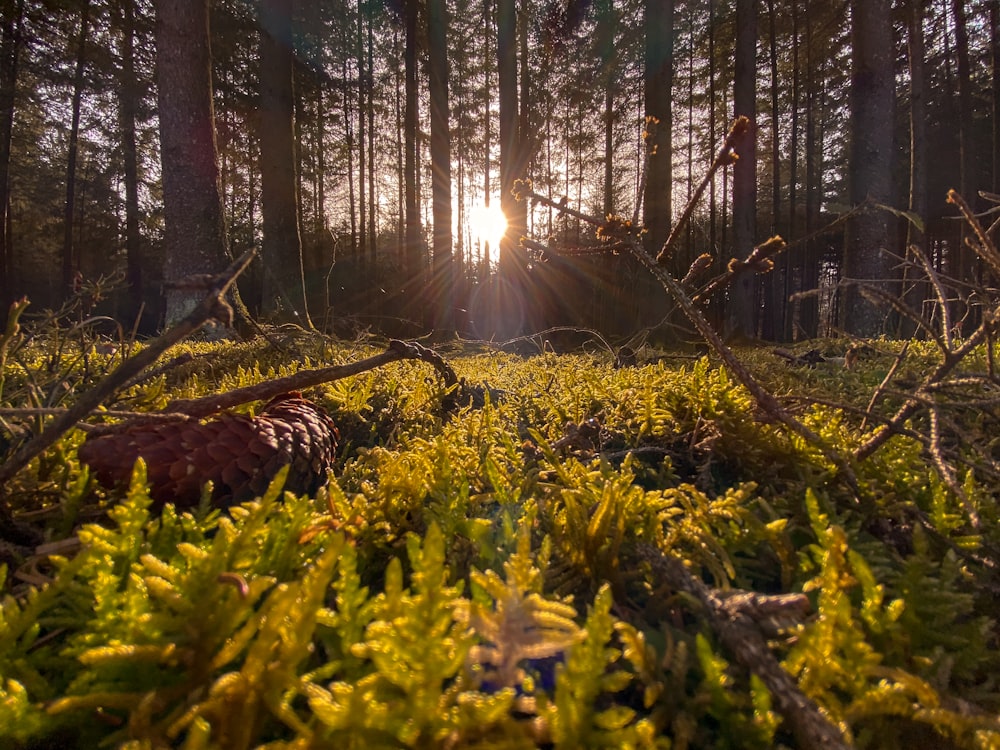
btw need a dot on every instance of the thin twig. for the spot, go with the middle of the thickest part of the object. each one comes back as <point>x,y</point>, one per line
<point>946,472</point>
<point>765,400</point>
<point>723,158</point>
<point>932,275</point>
<point>880,390</point>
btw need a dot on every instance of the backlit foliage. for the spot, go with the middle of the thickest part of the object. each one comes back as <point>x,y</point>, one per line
<point>471,578</point>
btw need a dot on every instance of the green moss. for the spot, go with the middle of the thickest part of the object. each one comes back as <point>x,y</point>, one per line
<point>471,578</point>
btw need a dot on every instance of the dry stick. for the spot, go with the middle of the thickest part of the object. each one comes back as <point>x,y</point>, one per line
<point>741,637</point>
<point>985,248</point>
<point>761,395</point>
<point>398,350</point>
<point>951,357</point>
<point>910,407</point>
<point>761,254</point>
<point>880,390</point>
<point>212,306</point>
<point>724,157</point>
<point>928,268</point>
<point>946,472</point>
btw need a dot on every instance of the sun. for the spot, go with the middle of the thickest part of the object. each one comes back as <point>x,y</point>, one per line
<point>488,224</point>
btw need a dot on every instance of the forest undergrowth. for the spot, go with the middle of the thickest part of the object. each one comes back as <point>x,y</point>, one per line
<point>496,572</point>
<point>632,548</point>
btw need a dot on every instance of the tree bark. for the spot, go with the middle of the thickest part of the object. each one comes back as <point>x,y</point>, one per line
<point>913,289</point>
<point>871,97</point>
<point>658,80</point>
<point>284,296</point>
<point>194,234</point>
<point>414,249</point>
<point>10,49</point>
<point>509,317</point>
<point>442,286</point>
<point>363,176</point>
<point>808,308</point>
<point>994,9</point>
<point>965,269</point>
<point>740,312</point>
<point>773,323</point>
<point>70,254</point>
<point>128,102</point>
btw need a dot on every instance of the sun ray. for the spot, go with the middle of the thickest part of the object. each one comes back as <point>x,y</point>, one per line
<point>488,224</point>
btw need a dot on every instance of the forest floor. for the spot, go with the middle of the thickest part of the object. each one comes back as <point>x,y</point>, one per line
<point>556,550</point>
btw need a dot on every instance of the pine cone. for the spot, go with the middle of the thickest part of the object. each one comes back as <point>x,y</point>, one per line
<point>238,453</point>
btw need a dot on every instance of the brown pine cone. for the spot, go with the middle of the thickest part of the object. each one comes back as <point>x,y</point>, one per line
<point>238,453</point>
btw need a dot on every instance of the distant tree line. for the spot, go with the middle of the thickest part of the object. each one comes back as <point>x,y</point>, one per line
<point>350,140</point>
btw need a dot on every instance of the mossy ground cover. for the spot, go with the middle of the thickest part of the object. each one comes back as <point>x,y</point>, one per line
<point>480,577</point>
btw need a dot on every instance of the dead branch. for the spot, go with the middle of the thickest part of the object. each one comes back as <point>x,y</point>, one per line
<point>723,158</point>
<point>741,636</point>
<point>880,390</point>
<point>398,350</point>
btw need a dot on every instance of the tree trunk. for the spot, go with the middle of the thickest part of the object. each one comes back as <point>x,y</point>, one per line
<point>994,6</point>
<point>363,177</point>
<point>349,148</point>
<point>807,325</point>
<point>10,49</point>
<point>658,80</point>
<point>740,313</point>
<point>284,295</point>
<point>913,288</point>
<point>70,254</point>
<point>414,254</point>
<point>966,266</point>
<point>773,323</point>
<point>867,235</point>
<point>194,237</point>
<point>488,30</point>
<point>442,286</point>
<point>372,203</point>
<point>129,97</point>
<point>509,317</point>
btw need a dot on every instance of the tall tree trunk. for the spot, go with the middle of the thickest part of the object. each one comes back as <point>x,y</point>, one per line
<point>658,78</point>
<point>808,308</point>
<point>370,111</point>
<point>488,31</point>
<point>10,50</point>
<point>740,313</point>
<point>284,294</point>
<point>994,6</point>
<point>194,236</point>
<point>712,128</point>
<point>966,268</point>
<point>70,254</point>
<point>414,254</point>
<point>349,137</point>
<point>606,49</point>
<point>401,183</point>
<point>913,288</point>
<point>363,177</point>
<point>772,325</point>
<point>509,319</point>
<point>128,101</point>
<point>867,236</point>
<point>442,288</point>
